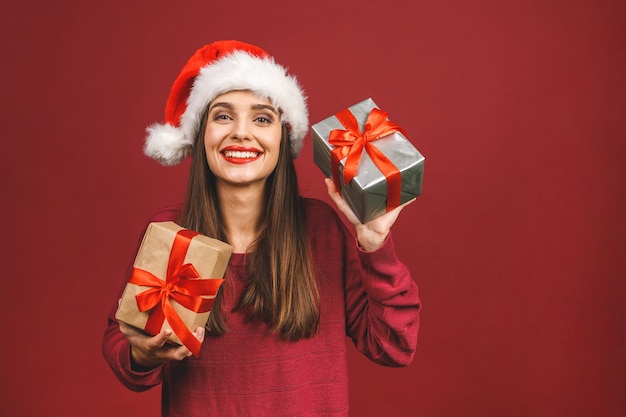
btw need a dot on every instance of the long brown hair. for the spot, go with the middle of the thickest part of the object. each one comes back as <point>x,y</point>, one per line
<point>281,288</point>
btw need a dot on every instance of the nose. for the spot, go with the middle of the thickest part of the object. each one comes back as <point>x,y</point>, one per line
<point>241,130</point>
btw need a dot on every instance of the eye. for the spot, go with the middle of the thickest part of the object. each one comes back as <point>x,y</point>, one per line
<point>264,119</point>
<point>221,117</point>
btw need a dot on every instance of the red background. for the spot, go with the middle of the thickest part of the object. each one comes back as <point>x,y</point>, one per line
<point>518,241</point>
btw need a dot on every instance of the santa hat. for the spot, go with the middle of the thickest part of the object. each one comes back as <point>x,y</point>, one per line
<point>215,69</point>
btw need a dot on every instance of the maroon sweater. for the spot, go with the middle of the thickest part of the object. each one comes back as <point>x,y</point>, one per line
<point>249,371</point>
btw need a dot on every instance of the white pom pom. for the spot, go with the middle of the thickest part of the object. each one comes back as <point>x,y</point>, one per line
<point>166,144</point>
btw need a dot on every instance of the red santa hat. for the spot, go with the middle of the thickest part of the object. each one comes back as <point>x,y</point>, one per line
<point>215,69</point>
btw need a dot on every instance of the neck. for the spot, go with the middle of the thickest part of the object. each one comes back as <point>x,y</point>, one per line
<point>241,209</point>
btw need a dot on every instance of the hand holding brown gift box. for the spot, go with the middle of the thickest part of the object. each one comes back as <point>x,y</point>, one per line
<point>176,275</point>
<point>369,158</point>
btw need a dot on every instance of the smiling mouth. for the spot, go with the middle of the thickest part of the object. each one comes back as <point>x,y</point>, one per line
<point>241,154</point>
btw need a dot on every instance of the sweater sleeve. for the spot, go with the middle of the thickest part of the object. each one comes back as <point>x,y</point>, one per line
<point>116,351</point>
<point>382,305</point>
<point>115,347</point>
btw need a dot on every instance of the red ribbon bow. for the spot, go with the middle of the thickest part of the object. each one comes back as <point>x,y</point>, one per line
<point>181,284</point>
<point>350,143</point>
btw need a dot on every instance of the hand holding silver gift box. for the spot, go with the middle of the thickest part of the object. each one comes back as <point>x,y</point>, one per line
<point>390,168</point>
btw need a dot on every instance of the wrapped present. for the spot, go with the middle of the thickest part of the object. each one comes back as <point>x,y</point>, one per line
<point>369,158</point>
<point>173,284</point>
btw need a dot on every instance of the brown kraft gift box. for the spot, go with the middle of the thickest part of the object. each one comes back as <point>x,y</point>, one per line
<point>208,256</point>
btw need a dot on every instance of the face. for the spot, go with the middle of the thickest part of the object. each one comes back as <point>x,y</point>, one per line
<point>242,138</point>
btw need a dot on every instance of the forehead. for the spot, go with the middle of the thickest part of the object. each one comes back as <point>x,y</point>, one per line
<point>242,97</point>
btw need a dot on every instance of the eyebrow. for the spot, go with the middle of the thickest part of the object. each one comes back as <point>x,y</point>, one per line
<point>230,106</point>
<point>264,107</point>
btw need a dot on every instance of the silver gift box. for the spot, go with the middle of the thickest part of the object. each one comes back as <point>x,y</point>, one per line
<point>366,194</point>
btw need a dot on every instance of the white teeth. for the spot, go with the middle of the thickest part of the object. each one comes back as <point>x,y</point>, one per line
<point>241,154</point>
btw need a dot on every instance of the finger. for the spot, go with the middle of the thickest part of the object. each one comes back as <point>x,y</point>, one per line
<point>334,194</point>
<point>181,352</point>
<point>199,334</point>
<point>159,340</point>
<point>330,187</point>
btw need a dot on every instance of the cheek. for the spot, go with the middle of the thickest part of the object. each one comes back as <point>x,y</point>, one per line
<point>209,139</point>
<point>275,140</point>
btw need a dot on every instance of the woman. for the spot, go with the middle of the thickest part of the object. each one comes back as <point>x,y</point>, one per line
<point>297,283</point>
